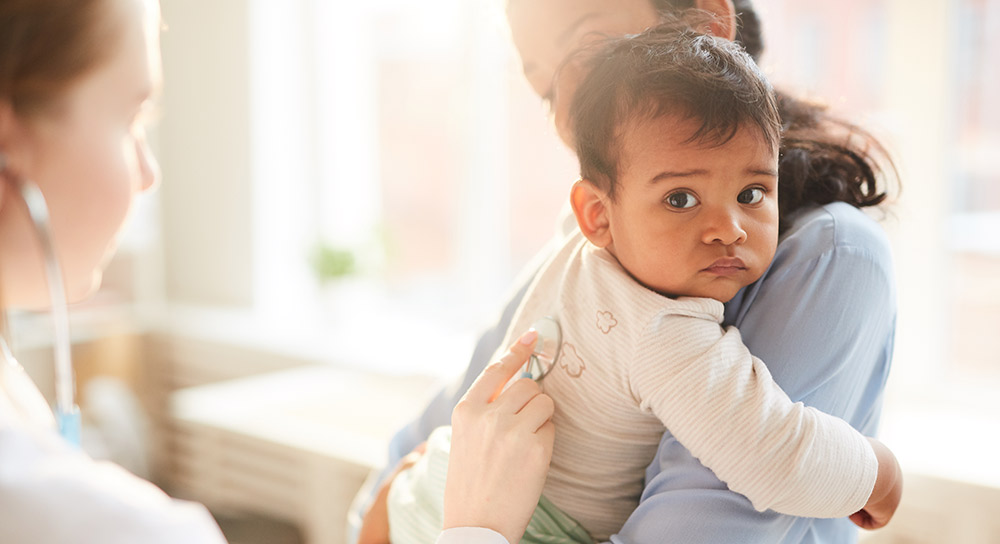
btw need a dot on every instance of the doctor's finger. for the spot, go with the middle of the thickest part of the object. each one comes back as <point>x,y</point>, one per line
<point>546,434</point>
<point>513,399</point>
<point>538,453</point>
<point>536,413</point>
<point>490,383</point>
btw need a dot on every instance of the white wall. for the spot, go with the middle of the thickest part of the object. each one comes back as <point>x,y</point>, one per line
<point>204,151</point>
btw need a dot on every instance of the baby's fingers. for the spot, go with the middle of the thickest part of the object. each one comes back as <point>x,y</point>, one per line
<point>864,520</point>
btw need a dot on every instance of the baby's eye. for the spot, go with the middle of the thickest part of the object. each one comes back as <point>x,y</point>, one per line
<point>681,200</point>
<point>753,195</point>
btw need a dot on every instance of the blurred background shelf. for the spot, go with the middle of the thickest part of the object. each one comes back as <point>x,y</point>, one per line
<point>293,445</point>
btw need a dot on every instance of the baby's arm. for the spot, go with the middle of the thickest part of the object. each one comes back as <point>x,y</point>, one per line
<point>722,404</point>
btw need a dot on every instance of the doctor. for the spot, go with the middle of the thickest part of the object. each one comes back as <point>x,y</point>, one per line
<point>75,80</point>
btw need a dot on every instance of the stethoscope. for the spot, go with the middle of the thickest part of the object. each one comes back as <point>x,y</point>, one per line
<point>543,357</point>
<point>66,412</point>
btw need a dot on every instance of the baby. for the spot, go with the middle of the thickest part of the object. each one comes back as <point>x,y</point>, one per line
<point>677,207</point>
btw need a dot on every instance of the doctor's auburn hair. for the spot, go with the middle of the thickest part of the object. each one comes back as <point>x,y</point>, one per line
<point>666,71</point>
<point>46,45</point>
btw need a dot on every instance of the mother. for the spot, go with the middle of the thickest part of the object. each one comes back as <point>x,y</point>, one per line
<point>822,317</point>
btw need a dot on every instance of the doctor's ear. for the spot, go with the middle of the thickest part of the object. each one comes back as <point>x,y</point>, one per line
<point>6,126</point>
<point>5,179</point>
<point>590,206</point>
<point>14,138</point>
<point>8,123</point>
<point>10,133</point>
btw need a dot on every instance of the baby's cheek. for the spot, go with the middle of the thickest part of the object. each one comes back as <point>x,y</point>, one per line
<point>764,232</point>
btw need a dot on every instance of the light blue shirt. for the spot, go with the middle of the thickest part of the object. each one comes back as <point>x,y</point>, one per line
<point>823,320</point>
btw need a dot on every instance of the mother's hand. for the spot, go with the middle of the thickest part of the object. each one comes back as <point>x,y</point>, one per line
<point>501,445</point>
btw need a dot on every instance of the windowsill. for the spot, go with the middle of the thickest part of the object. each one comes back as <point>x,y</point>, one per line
<point>369,339</point>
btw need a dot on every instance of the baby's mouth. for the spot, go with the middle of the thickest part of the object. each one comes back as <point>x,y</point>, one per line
<point>726,266</point>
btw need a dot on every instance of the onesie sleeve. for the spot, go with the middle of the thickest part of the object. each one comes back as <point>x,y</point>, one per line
<point>721,403</point>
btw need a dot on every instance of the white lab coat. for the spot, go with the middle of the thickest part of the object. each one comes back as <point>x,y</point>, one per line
<point>51,492</point>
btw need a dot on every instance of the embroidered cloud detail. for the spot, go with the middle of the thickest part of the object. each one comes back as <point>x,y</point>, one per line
<point>571,361</point>
<point>605,321</point>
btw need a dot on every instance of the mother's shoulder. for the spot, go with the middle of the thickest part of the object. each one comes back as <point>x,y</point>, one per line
<point>836,227</point>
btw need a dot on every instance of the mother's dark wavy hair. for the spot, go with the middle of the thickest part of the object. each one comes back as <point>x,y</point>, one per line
<point>823,158</point>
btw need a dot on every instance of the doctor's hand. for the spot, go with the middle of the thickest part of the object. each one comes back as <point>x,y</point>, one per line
<point>501,445</point>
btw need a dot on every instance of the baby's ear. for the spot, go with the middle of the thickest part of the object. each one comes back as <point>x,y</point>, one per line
<point>590,206</point>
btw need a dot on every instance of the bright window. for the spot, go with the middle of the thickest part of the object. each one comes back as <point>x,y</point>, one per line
<point>404,134</point>
<point>400,138</point>
<point>922,76</point>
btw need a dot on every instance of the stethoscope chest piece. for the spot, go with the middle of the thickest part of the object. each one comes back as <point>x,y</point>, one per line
<point>546,351</point>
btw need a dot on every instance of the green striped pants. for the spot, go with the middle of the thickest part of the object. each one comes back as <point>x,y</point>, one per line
<point>416,499</point>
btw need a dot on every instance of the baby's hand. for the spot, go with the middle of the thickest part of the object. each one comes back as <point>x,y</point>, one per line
<point>887,493</point>
<point>375,522</point>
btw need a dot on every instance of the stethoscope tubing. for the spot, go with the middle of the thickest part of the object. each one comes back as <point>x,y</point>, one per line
<point>66,412</point>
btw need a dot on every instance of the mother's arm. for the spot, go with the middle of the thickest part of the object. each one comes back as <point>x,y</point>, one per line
<point>822,319</point>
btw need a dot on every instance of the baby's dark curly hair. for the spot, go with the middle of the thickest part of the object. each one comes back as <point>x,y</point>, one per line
<point>668,70</point>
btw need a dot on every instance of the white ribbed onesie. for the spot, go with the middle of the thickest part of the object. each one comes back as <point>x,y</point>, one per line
<point>633,362</point>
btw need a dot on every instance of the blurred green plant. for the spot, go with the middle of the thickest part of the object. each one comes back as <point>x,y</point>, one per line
<point>332,263</point>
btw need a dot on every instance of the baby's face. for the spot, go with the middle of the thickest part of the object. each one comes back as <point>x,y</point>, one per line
<point>692,220</point>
